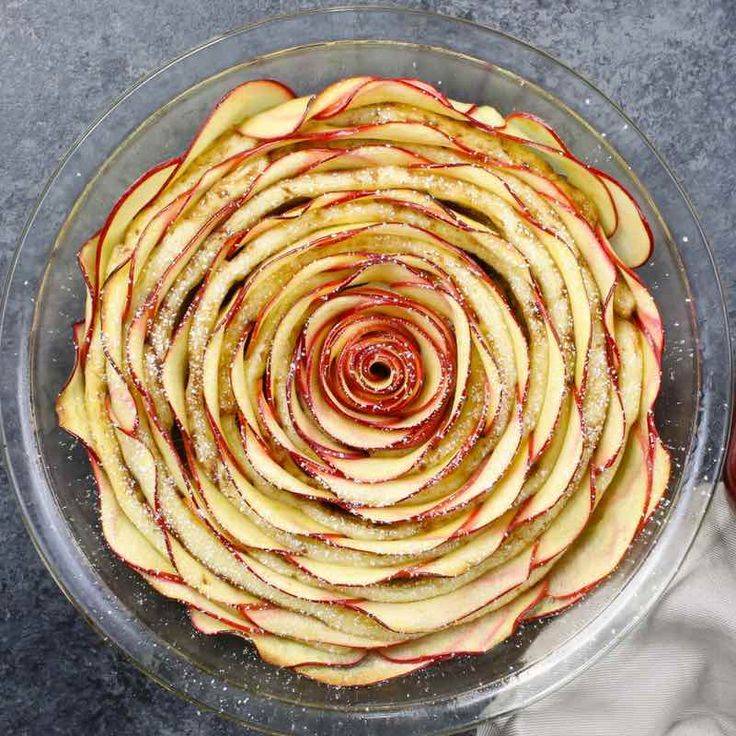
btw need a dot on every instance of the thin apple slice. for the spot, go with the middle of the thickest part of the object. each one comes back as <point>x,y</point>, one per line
<point>276,650</point>
<point>236,524</point>
<point>613,435</point>
<point>122,536</point>
<point>485,114</point>
<point>283,652</point>
<point>554,395</point>
<point>568,524</point>
<point>282,622</point>
<point>70,405</point>
<point>474,637</point>
<point>632,239</point>
<point>564,470</point>
<point>241,103</point>
<point>199,578</point>
<point>209,623</point>
<point>614,524</point>
<point>428,615</point>
<point>345,575</point>
<point>370,671</point>
<point>550,147</point>
<point>279,121</point>
<point>422,541</point>
<point>504,492</point>
<point>482,546</point>
<point>646,309</point>
<point>580,307</point>
<point>661,467</point>
<point>526,125</point>
<point>181,592</point>
<point>138,195</point>
<point>551,607</point>
<point>173,374</point>
<point>141,462</point>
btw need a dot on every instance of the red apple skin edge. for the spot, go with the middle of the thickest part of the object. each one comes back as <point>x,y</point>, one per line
<point>729,474</point>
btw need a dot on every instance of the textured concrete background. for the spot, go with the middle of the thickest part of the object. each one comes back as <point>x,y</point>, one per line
<point>671,64</point>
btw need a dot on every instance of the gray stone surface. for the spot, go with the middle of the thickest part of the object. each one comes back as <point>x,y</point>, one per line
<point>671,64</point>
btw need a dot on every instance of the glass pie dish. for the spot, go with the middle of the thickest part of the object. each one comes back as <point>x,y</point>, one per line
<point>153,122</point>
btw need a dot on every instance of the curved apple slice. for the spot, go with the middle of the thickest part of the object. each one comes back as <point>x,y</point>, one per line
<point>564,470</point>
<point>350,94</point>
<point>632,239</point>
<point>482,546</point>
<point>141,463</point>
<point>278,122</point>
<point>370,671</point>
<point>337,96</point>
<point>503,457</point>
<point>211,623</point>
<point>199,578</point>
<point>151,237</point>
<point>415,617</point>
<point>568,524</point>
<point>547,144</point>
<point>289,585</point>
<point>174,372</point>
<point>613,436</point>
<point>335,573</point>
<point>646,309</point>
<point>420,542</point>
<point>554,395</point>
<point>474,637</point>
<point>283,652</point>
<point>526,125</point>
<point>652,374</point>
<point>181,592</point>
<point>276,650</point>
<point>661,467</point>
<point>243,102</point>
<point>504,492</point>
<point>122,536</point>
<point>236,524</point>
<point>70,405</point>
<point>485,114</point>
<point>597,256</point>
<point>614,524</point>
<point>138,195</point>
<point>580,309</point>
<point>551,607</point>
<point>281,622</point>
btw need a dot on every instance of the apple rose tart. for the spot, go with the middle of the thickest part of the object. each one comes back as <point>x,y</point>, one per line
<point>366,378</point>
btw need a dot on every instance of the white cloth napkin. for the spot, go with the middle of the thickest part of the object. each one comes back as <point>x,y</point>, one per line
<point>674,675</point>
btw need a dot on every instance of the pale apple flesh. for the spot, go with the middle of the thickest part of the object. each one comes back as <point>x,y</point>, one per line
<point>366,377</point>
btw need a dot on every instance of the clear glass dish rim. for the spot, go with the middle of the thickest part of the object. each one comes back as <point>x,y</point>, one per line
<point>401,710</point>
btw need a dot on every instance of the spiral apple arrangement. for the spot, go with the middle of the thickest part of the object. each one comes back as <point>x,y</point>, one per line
<point>366,378</point>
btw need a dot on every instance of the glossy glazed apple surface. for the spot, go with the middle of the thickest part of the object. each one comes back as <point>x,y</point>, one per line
<point>366,376</point>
